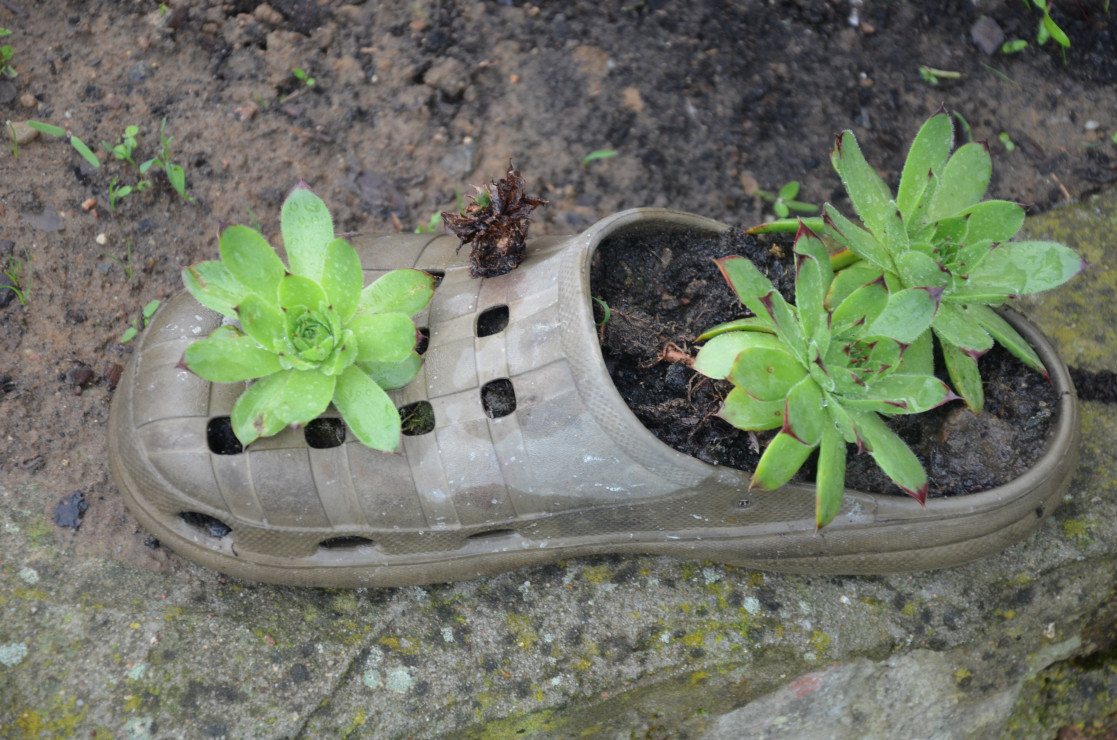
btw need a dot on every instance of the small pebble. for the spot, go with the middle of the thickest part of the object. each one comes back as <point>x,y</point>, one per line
<point>111,375</point>
<point>987,35</point>
<point>81,376</point>
<point>71,510</point>
<point>27,100</point>
<point>101,239</point>
<point>24,133</point>
<point>88,203</point>
<point>1092,125</point>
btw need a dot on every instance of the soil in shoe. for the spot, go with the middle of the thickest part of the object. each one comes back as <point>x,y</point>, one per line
<point>663,290</point>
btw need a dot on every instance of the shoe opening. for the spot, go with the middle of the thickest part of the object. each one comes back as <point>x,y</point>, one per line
<point>346,542</point>
<point>220,437</point>
<point>417,418</point>
<point>437,275</point>
<point>492,534</point>
<point>424,340</point>
<point>324,433</point>
<point>206,524</point>
<point>498,397</point>
<point>492,321</point>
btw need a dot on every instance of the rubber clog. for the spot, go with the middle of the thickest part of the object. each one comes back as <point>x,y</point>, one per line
<point>559,468</point>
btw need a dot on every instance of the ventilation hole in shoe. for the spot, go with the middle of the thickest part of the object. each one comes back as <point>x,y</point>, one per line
<point>424,340</point>
<point>207,524</point>
<point>322,434</point>
<point>498,398</point>
<point>220,437</point>
<point>742,503</point>
<point>492,534</point>
<point>417,418</point>
<point>347,542</point>
<point>492,321</point>
<point>437,275</point>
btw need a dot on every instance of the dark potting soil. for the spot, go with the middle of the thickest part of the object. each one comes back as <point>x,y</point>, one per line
<point>664,290</point>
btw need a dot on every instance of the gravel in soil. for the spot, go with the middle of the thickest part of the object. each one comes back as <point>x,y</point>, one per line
<point>664,290</point>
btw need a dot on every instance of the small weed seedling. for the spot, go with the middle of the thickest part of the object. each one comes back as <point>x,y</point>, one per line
<point>783,202</point>
<point>79,146</point>
<point>14,269</point>
<point>148,311</point>
<point>123,150</point>
<point>1049,29</point>
<point>125,263</point>
<point>598,154</point>
<point>175,173</point>
<point>6,54</point>
<point>14,146</point>
<point>1014,47</point>
<point>932,76</point>
<point>303,77</point>
<point>1006,141</point>
<point>118,194</point>
<point>431,226</point>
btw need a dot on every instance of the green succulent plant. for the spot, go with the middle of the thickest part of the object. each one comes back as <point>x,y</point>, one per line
<point>935,231</point>
<point>823,371</point>
<point>312,334</point>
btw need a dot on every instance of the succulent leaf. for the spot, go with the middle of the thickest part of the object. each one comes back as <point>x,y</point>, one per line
<point>750,323</point>
<point>399,291</point>
<point>804,415</point>
<point>391,375</point>
<point>383,337</point>
<point>262,321</point>
<point>367,410</point>
<point>342,279</point>
<point>1026,267</point>
<point>213,286</point>
<point>307,231</point>
<point>780,461</point>
<point>929,152</point>
<point>995,220</point>
<point>856,239</point>
<point>907,314</point>
<point>278,400</point>
<point>228,356</point>
<point>871,197</point>
<point>1006,336</point>
<point>747,412</point>
<point>963,181</point>
<point>858,309</point>
<point>767,373</point>
<point>830,478</point>
<point>893,456</point>
<point>251,260</point>
<point>954,325</point>
<point>965,375</point>
<point>813,276</point>
<point>716,358</point>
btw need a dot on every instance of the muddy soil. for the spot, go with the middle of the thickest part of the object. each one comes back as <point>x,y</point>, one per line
<point>412,102</point>
<point>664,290</point>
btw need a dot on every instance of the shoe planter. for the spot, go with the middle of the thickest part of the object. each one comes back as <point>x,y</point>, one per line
<point>532,456</point>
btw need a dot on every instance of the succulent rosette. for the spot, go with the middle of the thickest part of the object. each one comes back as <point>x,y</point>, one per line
<point>310,333</point>
<point>937,231</point>
<point>823,371</point>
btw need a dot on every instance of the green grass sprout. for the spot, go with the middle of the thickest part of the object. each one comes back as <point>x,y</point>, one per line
<point>598,154</point>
